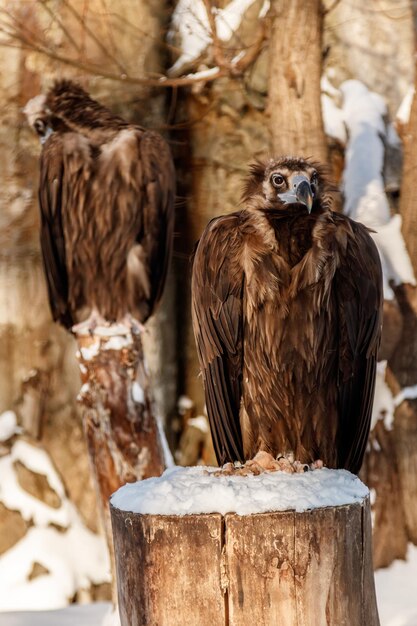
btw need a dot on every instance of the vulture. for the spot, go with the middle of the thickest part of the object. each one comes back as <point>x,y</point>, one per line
<point>106,196</point>
<point>287,310</point>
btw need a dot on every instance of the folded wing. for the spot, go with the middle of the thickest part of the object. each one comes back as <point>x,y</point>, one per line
<point>217,287</point>
<point>358,285</point>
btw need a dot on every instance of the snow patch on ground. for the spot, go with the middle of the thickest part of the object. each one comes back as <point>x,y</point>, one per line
<point>74,560</point>
<point>75,615</point>
<point>396,591</point>
<point>189,490</point>
<point>73,556</point>
<point>111,618</point>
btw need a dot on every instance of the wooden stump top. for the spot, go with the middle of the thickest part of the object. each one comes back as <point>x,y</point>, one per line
<point>305,567</point>
<point>194,490</point>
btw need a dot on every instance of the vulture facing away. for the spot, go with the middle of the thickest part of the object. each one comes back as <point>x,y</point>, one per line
<point>287,310</point>
<point>106,196</point>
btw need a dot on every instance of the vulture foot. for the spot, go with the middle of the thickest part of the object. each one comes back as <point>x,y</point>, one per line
<point>96,324</point>
<point>265,462</point>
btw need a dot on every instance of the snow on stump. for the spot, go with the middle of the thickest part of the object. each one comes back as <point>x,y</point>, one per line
<point>290,549</point>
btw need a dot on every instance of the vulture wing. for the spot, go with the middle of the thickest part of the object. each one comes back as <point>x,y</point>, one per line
<point>51,193</point>
<point>359,299</point>
<point>66,170</point>
<point>217,286</point>
<point>158,210</point>
<point>134,191</point>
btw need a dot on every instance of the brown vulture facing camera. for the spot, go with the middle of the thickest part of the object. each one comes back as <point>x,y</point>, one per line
<point>106,197</point>
<point>286,302</point>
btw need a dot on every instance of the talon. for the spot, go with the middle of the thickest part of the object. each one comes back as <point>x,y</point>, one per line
<point>264,462</point>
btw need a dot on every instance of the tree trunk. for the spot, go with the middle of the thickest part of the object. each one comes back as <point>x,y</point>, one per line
<point>294,95</point>
<point>407,201</point>
<point>227,135</point>
<point>122,433</point>
<point>380,472</point>
<point>282,568</point>
<point>229,130</point>
<point>403,365</point>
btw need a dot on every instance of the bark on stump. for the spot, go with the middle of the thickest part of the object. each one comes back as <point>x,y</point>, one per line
<point>122,433</point>
<point>287,568</point>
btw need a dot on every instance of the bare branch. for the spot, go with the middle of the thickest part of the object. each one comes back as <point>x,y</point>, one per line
<point>16,33</point>
<point>243,61</point>
<point>54,18</point>
<point>92,35</point>
<point>94,70</point>
<point>19,26</point>
<point>218,54</point>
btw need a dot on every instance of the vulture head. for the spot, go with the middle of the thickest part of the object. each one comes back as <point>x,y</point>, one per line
<point>68,107</point>
<point>286,184</point>
<point>39,117</point>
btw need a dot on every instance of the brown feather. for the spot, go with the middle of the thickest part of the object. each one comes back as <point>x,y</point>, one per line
<point>106,196</point>
<point>287,318</point>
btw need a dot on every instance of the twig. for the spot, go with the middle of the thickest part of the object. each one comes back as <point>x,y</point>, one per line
<point>252,53</point>
<point>54,18</point>
<point>90,33</point>
<point>218,54</point>
<point>163,81</point>
<point>18,35</point>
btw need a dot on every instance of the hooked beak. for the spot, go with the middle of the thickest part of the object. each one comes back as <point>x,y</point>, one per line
<point>46,136</point>
<point>304,194</point>
<point>301,192</point>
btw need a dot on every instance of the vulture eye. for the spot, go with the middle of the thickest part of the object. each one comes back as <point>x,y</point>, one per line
<point>39,126</point>
<point>277,180</point>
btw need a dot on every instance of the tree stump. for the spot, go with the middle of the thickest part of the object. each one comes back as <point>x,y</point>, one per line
<point>308,568</point>
<point>123,437</point>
